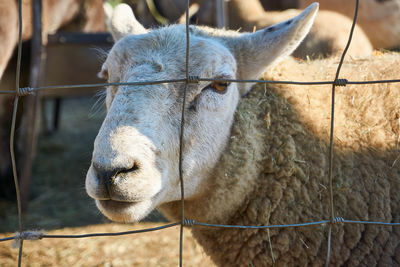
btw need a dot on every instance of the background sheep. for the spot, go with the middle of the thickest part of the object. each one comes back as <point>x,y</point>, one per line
<point>327,37</point>
<point>173,9</point>
<point>279,4</point>
<point>273,169</point>
<point>378,19</point>
<point>88,16</point>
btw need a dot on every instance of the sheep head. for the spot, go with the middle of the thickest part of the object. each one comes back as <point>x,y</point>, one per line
<point>135,160</point>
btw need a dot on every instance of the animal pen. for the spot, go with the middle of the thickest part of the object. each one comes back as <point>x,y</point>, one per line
<point>23,234</point>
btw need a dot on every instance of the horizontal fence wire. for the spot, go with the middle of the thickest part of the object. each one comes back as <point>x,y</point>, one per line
<point>336,221</point>
<point>340,82</point>
<point>34,235</point>
<point>26,235</point>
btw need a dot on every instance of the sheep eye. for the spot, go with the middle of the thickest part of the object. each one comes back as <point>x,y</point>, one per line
<point>220,86</point>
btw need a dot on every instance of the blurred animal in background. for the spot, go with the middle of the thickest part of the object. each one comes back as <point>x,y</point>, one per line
<point>72,15</point>
<point>377,20</point>
<point>380,19</point>
<point>279,4</point>
<point>327,37</point>
<point>148,12</point>
<point>65,15</point>
<point>156,12</point>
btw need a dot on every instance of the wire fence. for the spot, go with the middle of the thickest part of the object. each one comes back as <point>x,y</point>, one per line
<point>22,235</point>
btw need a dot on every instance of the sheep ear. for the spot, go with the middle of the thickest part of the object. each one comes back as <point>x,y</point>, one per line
<point>123,22</point>
<point>254,52</point>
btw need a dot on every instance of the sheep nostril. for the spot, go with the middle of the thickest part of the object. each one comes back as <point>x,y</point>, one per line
<point>102,173</point>
<point>135,167</point>
<point>109,176</point>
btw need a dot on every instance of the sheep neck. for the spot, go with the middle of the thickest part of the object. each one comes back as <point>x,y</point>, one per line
<point>258,157</point>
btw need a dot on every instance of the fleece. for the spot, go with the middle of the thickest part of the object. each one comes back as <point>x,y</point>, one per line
<point>275,171</point>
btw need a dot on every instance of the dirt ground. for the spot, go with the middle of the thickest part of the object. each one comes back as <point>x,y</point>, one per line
<point>159,248</point>
<point>59,205</point>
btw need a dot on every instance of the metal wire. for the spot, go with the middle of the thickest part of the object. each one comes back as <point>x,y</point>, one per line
<point>115,234</point>
<point>340,82</point>
<point>336,219</point>
<point>263,226</point>
<point>93,85</point>
<point>191,223</point>
<point>189,79</point>
<point>12,131</point>
<point>375,223</point>
<point>300,83</point>
<point>328,250</point>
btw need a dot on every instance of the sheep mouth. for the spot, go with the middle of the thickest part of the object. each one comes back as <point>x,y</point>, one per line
<point>110,204</point>
<point>114,209</point>
<point>123,211</point>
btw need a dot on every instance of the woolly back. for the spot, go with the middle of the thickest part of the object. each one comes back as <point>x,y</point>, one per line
<point>274,170</point>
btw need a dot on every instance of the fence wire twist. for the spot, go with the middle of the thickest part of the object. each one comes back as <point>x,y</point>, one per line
<point>21,235</point>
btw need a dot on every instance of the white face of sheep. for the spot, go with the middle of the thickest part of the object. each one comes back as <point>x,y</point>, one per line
<point>136,153</point>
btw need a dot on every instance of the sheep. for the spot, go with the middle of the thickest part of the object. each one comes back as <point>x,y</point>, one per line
<point>378,18</point>
<point>250,156</point>
<point>328,36</point>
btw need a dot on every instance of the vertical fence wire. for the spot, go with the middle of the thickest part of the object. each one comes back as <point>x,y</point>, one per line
<point>182,132</point>
<point>12,131</point>
<point>330,174</point>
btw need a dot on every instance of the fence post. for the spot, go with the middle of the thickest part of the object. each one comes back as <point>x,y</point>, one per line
<point>221,13</point>
<point>31,111</point>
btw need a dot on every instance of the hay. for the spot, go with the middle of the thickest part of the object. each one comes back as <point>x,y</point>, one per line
<point>159,248</point>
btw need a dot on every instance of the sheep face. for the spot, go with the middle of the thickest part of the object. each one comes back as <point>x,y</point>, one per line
<point>136,153</point>
<point>137,148</point>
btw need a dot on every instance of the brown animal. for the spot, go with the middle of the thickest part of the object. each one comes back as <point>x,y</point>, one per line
<point>279,4</point>
<point>328,36</point>
<point>172,10</point>
<point>378,18</point>
<point>87,16</point>
<point>71,15</point>
<point>155,12</point>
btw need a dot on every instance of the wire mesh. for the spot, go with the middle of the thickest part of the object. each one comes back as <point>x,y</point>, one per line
<point>21,235</point>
